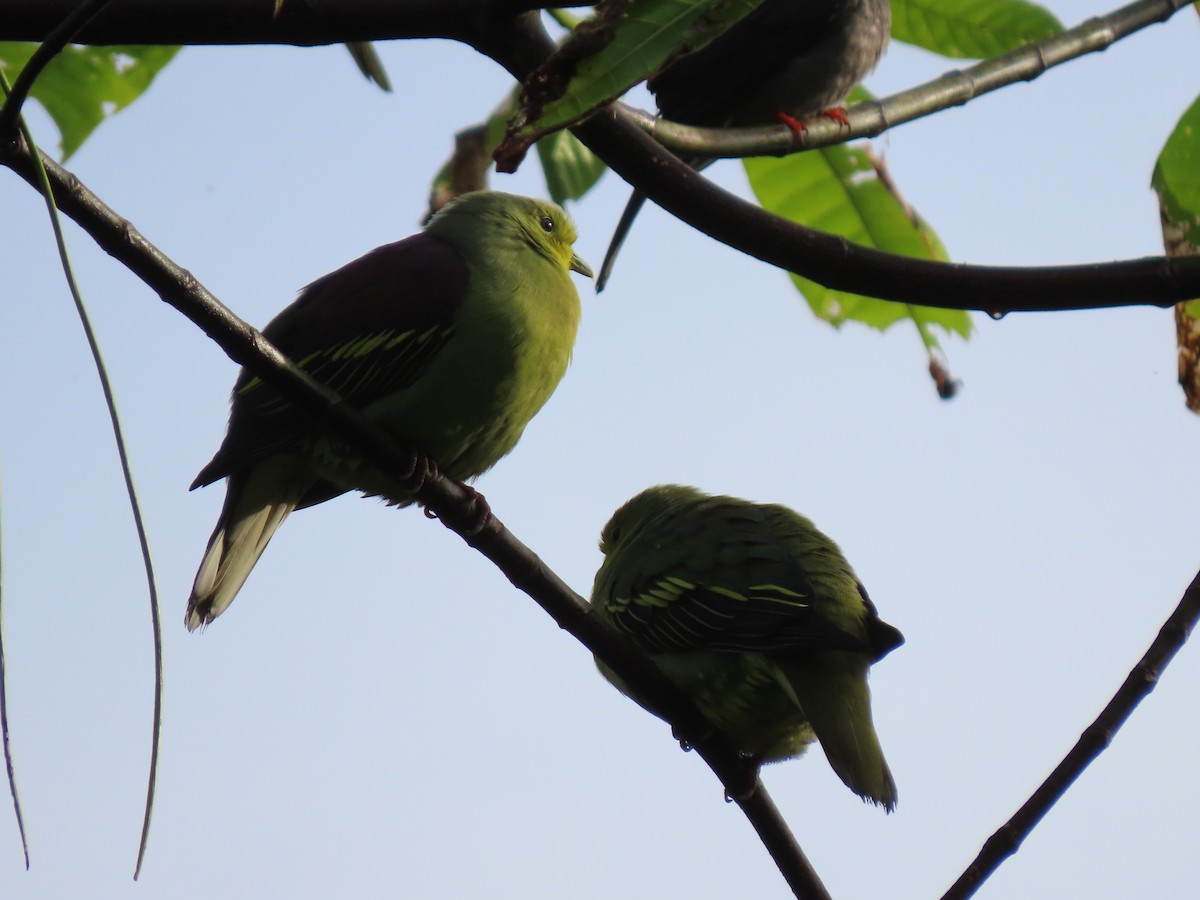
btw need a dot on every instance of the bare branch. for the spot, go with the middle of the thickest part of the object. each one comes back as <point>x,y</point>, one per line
<point>955,88</point>
<point>839,263</point>
<point>254,21</point>
<point>1094,741</point>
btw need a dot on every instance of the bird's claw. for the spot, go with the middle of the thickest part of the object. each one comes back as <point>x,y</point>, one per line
<point>798,127</point>
<point>479,513</point>
<point>746,783</point>
<point>423,469</point>
<point>838,114</point>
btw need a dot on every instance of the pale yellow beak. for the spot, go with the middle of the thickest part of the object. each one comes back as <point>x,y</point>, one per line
<point>578,265</point>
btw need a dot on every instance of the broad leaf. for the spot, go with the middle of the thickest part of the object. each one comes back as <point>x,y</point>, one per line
<point>838,190</point>
<point>570,168</point>
<point>971,29</point>
<point>1176,180</point>
<point>625,43</point>
<point>83,86</point>
<point>1176,176</point>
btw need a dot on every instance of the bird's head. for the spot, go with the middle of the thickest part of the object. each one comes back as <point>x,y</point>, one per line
<point>542,225</point>
<point>642,509</point>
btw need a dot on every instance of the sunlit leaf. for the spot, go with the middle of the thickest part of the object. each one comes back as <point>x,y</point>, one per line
<point>839,190</point>
<point>605,56</point>
<point>971,29</point>
<point>83,86</point>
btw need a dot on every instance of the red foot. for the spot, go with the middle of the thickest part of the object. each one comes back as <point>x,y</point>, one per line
<point>838,114</point>
<point>795,124</point>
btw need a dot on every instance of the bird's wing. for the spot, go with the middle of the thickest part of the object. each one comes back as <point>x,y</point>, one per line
<point>365,330</point>
<point>710,86</point>
<point>748,594</point>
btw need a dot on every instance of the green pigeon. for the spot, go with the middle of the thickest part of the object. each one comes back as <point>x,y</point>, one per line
<point>756,616</point>
<point>451,340</point>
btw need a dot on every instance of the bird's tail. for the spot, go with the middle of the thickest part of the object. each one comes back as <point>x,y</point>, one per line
<point>632,208</point>
<point>834,695</point>
<point>255,506</point>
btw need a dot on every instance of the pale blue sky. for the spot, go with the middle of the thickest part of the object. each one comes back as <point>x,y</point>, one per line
<point>380,714</point>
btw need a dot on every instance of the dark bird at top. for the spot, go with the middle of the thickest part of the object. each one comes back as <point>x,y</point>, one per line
<point>786,61</point>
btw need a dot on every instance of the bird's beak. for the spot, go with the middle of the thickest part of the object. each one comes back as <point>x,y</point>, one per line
<point>578,265</point>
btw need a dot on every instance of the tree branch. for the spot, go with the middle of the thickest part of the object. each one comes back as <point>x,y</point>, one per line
<point>254,22</point>
<point>836,262</point>
<point>448,500</point>
<point>954,88</point>
<point>519,44</point>
<point>1094,740</point>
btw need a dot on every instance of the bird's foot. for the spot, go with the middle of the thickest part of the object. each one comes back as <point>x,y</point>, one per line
<point>478,514</point>
<point>798,127</point>
<point>838,114</point>
<point>687,742</point>
<point>744,783</point>
<point>423,469</point>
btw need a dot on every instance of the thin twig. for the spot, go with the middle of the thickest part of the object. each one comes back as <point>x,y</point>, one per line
<point>1094,741</point>
<point>126,472</point>
<point>8,759</point>
<point>53,44</point>
<point>954,88</point>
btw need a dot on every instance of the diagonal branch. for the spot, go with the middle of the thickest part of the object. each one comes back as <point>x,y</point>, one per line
<point>1094,740</point>
<point>448,500</point>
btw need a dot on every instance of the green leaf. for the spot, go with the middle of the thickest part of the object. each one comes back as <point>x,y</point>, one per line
<point>1176,177</point>
<point>839,190</point>
<point>608,54</point>
<point>83,86</point>
<point>571,169</point>
<point>971,29</point>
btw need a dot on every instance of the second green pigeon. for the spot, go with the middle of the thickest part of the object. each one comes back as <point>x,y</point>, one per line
<point>757,616</point>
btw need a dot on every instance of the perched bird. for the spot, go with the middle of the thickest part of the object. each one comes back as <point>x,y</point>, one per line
<point>755,615</point>
<point>451,340</point>
<point>787,60</point>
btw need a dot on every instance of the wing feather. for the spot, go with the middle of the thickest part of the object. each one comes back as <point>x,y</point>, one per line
<point>366,330</point>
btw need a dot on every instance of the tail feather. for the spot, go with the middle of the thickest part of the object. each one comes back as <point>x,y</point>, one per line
<point>636,201</point>
<point>837,701</point>
<point>255,507</point>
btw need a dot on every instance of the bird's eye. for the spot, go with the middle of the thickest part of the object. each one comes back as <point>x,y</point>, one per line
<point>547,224</point>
